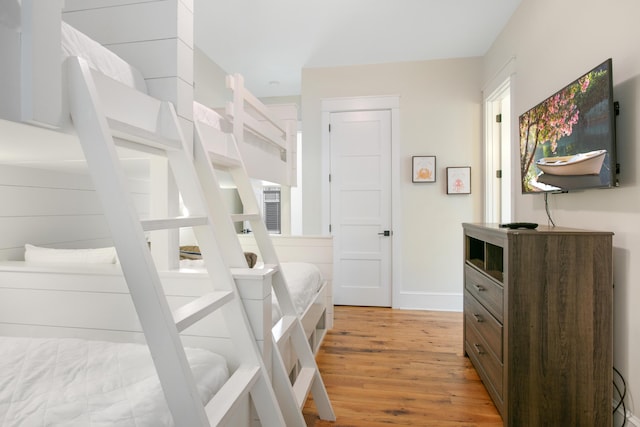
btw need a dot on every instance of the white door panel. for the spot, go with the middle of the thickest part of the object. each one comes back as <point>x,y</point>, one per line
<point>361,207</point>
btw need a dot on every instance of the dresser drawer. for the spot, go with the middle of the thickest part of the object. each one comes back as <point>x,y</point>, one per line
<point>487,365</point>
<point>486,290</point>
<point>486,325</point>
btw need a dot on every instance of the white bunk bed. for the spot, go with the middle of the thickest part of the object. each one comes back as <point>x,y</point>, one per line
<point>71,302</point>
<point>306,262</point>
<point>79,306</point>
<point>96,293</point>
<point>49,381</point>
<point>62,324</point>
<point>316,300</point>
<point>267,149</point>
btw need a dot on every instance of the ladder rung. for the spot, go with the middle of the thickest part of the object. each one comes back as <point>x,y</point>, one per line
<point>169,223</point>
<point>197,309</point>
<point>304,381</point>
<point>223,162</point>
<point>222,405</point>
<point>245,217</point>
<point>142,136</point>
<point>283,327</point>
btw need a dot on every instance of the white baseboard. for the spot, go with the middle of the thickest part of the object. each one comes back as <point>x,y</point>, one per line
<point>632,420</point>
<point>618,417</point>
<point>428,301</point>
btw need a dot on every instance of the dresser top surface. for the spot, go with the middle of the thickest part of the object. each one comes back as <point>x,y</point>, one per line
<point>541,229</point>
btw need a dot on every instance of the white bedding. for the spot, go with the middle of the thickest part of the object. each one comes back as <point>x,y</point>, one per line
<point>204,114</point>
<point>41,254</point>
<point>71,382</point>
<point>304,281</point>
<point>75,43</point>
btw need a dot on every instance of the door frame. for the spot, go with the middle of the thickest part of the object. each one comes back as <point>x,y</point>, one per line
<point>368,103</point>
<point>498,196</point>
<point>500,86</point>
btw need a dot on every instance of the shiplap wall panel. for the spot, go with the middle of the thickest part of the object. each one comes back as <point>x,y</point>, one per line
<point>52,230</point>
<point>79,301</point>
<point>29,176</point>
<point>78,5</point>
<point>54,209</point>
<point>48,201</point>
<point>185,24</point>
<point>70,309</point>
<point>156,37</point>
<point>10,70</point>
<point>317,250</point>
<point>161,48</point>
<point>159,58</point>
<point>177,91</point>
<point>126,23</point>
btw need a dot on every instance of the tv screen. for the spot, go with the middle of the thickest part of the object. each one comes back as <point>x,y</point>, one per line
<point>567,142</point>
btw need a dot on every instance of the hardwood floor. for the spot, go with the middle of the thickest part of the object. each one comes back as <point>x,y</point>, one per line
<point>387,367</point>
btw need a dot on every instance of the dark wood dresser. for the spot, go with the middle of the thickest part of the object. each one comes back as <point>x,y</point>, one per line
<point>538,323</point>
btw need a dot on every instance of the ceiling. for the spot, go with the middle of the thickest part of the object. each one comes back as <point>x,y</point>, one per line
<point>269,42</point>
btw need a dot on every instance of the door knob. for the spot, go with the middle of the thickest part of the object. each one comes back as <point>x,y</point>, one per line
<point>385,233</point>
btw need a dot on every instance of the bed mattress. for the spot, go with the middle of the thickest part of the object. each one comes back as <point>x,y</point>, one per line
<point>304,281</point>
<point>204,114</point>
<point>72,382</point>
<point>75,43</point>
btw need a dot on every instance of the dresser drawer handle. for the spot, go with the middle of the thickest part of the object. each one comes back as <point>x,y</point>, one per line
<point>478,318</point>
<point>479,288</point>
<point>478,348</point>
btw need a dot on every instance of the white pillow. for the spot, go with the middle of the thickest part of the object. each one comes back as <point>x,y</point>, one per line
<point>70,256</point>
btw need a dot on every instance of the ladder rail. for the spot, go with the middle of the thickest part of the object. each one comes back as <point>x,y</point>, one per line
<point>137,264</point>
<point>209,181</point>
<point>288,395</point>
<point>158,323</point>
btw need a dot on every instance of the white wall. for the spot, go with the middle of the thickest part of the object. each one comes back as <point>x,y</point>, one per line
<point>440,115</point>
<point>209,82</point>
<point>54,209</point>
<point>554,43</point>
<point>161,48</point>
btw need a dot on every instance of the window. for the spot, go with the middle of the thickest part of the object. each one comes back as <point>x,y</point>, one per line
<point>271,208</point>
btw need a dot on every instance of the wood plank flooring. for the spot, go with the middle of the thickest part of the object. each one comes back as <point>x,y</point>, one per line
<point>387,367</point>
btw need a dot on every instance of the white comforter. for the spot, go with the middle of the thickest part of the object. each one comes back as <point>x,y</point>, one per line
<point>304,280</point>
<point>71,382</point>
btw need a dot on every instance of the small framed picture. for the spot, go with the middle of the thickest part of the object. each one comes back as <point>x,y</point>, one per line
<point>459,180</point>
<point>424,169</point>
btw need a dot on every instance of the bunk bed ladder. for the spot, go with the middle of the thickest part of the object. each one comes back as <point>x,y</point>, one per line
<point>292,397</point>
<point>161,327</point>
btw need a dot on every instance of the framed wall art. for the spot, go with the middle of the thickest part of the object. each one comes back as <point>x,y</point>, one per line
<point>459,180</point>
<point>424,169</point>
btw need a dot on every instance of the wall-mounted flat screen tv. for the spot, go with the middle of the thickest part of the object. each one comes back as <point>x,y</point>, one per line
<point>568,142</point>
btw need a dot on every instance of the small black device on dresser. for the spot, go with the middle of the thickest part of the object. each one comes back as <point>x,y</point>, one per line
<point>516,225</point>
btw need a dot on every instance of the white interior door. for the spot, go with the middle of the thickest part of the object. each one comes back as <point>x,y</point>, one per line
<point>360,165</point>
<point>498,153</point>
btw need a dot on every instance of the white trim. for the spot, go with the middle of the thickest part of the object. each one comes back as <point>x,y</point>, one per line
<point>618,416</point>
<point>361,103</point>
<point>493,156</point>
<point>434,301</point>
<point>503,73</point>
<point>494,89</point>
<point>368,103</point>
